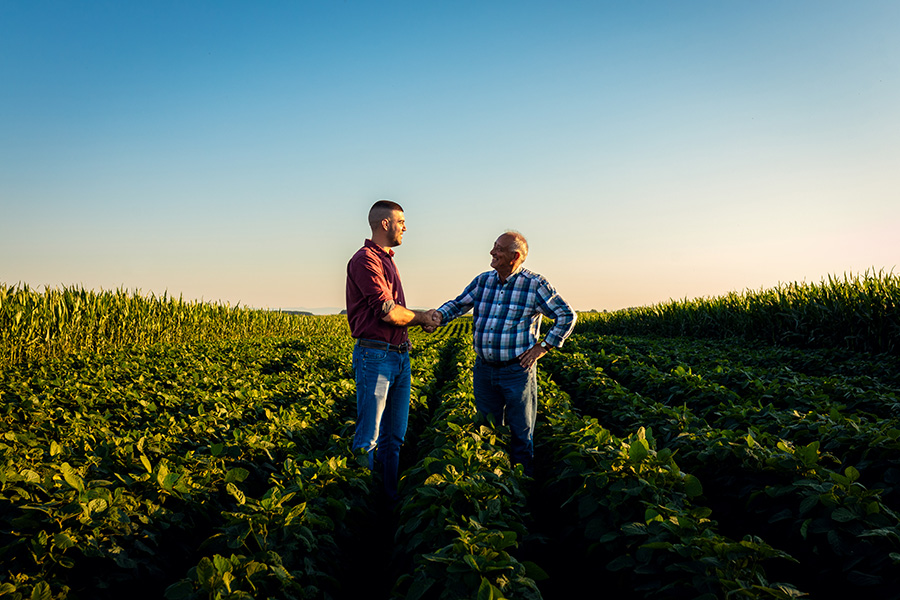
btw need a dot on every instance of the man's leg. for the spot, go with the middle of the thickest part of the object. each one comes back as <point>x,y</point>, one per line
<point>373,379</point>
<point>488,396</point>
<point>520,392</point>
<point>394,421</point>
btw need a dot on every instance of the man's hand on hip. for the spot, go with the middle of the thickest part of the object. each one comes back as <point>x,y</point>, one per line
<point>531,356</point>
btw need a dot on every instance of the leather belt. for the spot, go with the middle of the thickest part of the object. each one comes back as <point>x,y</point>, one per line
<point>501,363</point>
<point>404,347</point>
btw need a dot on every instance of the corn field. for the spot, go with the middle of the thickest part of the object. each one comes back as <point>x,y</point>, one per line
<point>35,326</point>
<point>856,312</point>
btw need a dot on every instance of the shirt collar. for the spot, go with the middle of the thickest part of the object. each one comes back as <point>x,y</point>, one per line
<point>511,275</point>
<point>370,244</point>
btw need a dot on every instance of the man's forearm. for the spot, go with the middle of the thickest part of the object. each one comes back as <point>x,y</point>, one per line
<point>403,317</point>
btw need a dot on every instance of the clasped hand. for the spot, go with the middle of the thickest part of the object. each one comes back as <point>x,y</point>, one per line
<point>432,320</point>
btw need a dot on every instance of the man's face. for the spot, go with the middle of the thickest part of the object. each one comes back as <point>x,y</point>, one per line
<point>396,225</point>
<point>501,255</point>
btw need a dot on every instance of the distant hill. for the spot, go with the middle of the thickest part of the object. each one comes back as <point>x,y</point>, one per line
<point>322,310</point>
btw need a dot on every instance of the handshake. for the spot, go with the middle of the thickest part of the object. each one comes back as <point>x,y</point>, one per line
<point>429,320</point>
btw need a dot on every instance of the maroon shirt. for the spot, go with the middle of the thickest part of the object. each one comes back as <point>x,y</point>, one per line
<point>373,288</point>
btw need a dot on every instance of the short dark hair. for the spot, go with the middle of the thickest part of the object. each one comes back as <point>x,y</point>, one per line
<point>382,210</point>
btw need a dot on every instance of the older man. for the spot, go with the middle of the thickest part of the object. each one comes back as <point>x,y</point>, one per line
<point>508,303</point>
<point>378,321</point>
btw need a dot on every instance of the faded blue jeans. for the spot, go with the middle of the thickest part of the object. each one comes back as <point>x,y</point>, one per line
<point>510,395</point>
<point>382,409</point>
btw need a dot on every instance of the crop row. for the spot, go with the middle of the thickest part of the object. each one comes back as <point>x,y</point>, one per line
<point>776,460</point>
<point>462,507</point>
<point>121,471</point>
<point>627,505</point>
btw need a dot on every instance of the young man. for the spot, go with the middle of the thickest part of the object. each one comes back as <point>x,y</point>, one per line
<point>508,303</point>
<point>378,321</point>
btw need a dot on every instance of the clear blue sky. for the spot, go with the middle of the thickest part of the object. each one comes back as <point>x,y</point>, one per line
<point>229,151</point>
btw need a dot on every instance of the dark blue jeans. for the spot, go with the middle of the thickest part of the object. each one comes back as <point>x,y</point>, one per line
<point>509,394</point>
<point>382,409</point>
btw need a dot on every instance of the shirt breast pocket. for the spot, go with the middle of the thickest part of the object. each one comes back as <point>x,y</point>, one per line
<point>516,313</point>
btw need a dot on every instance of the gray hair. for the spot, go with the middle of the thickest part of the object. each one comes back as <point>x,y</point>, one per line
<point>519,243</point>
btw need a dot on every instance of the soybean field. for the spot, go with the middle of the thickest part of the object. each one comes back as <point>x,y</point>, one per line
<point>189,451</point>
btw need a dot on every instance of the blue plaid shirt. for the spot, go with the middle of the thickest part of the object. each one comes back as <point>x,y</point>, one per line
<point>508,315</point>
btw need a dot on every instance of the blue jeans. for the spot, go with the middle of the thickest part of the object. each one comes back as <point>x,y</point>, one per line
<point>382,409</point>
<point>509,394</point>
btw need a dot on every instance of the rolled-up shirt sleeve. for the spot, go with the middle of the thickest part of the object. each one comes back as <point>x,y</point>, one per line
<point>552,305</point>
<point>368,275</point>
<point>373,290</point>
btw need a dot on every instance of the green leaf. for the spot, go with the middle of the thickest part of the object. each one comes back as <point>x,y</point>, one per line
<point>470,560</point>
<point>168,483</point>
<point>362,460</point>
<point>222,564</point>
<point>238,494</point>
<point>97,505</point>
<point>63,541</point>
<point>809,503</point>
<point>533,571</point>
<point>180,591</point>
<point>236,475</point>
<point>146,462</point>
<point>692,486</point>
<point>809,454</point>
<point>206,574</point>
<point>843,515</point>
<point>486,591</point>
<point>862,580</point>
<point>227,578</point>
<point>161,474</point>
<point>622,562</point>
<point>41,591</point>
<point>71,477</point>
<point>254,567</point>
<point>657,545</point>
<point>638,450</point>
<point>418,588</point>
<point>781,515</point>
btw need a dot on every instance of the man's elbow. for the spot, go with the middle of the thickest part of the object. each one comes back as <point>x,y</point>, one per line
<point>398,316</point>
